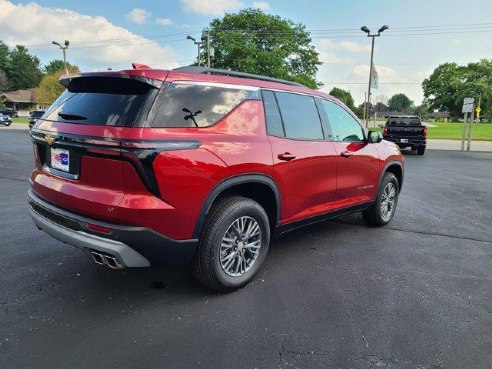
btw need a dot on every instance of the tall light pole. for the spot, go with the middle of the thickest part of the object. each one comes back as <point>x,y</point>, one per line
<point>64,48</point>
<point>198,43</point>
<point>366,30</point>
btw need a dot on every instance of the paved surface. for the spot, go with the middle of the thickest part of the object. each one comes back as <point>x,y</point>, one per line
<point>415,294</point>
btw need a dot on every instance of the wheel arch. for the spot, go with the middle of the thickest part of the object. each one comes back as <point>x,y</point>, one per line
<point>396,168</point>
<point>258,187</point>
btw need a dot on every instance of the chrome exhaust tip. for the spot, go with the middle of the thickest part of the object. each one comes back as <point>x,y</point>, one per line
<point>112,262</point>
<point>98,258</point>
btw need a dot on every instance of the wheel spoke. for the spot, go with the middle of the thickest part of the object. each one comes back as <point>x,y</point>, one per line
<point>240,246</point>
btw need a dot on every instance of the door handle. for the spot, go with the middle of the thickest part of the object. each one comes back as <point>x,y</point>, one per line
<point>286,156</point>
<point>346,154</point>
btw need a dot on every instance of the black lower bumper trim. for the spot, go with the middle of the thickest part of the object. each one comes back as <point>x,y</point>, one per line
<point>158,249</point>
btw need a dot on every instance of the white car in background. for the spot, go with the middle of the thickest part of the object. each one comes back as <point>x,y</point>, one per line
<point>5,120</point>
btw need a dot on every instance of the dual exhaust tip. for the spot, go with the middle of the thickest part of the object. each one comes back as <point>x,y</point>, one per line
<point>105,259</point>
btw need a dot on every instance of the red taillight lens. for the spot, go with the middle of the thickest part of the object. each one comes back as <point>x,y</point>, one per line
<point>424,132</point>
<point>98,228</point>
<point>385,132</point>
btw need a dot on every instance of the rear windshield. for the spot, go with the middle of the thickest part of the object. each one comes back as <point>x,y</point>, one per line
<point>404,121</point>
<point>104,101</point>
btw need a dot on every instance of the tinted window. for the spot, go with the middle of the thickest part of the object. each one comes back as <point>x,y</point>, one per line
<point>104,101</point>
<point>404,121</point>
<point>273,118</point>
<point>300,116</point>
<point>190,105</point>
<point>344,127</point>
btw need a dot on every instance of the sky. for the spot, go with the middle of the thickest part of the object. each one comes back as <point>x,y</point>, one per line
<point>421,35</point>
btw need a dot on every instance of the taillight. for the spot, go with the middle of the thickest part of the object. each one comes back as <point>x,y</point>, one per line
<point>385,132</point>
<point>424,132</point>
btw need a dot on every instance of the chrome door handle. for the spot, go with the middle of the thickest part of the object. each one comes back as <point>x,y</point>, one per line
<point>286,156</point>
<point>346,154</point>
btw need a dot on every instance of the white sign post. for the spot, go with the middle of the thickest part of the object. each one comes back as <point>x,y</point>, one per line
<point>468,107</point>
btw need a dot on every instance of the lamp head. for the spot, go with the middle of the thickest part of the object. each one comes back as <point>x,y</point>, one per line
<point>190,38</point>
<point>55,43</point>
<point>383,28</point>
<point>365,29</point>
<point>67,43</point>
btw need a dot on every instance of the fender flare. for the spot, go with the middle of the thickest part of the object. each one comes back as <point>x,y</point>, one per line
<point>385,168</point>
<point>231,182</point>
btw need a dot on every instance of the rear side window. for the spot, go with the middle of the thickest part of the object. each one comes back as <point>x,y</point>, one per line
<point>272,115</point>
<point>343,125</point>
<point>197,105</point>
<point>300,116</point>
<point>104,101</point>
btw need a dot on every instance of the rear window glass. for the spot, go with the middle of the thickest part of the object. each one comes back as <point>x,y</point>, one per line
<point>403,121</point>
<point>196,105</point>
<point>104,101</point>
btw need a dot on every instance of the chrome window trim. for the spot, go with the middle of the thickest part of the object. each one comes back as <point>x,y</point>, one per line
<point>216,84</point>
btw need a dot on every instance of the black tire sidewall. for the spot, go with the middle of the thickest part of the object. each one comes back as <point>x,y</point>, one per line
<point>388,177</point>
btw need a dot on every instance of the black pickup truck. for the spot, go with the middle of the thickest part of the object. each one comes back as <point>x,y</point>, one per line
<point>406,131</point>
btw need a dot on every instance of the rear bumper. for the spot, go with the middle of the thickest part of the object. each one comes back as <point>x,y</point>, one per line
<point>131,246</point>
<point>411,142</point>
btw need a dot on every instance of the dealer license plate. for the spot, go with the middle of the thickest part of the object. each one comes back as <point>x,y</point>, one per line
<point>60,159</point>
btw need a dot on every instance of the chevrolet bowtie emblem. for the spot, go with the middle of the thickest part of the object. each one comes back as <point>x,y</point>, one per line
<point>49,140</point>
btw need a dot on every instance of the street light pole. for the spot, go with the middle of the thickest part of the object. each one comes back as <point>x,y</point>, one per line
<point>366,30</point>
<point>198,43</point>
<point>64,48</point>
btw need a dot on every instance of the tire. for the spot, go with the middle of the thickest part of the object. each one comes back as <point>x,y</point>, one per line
<point>218,246</point>
<point>375,215</point>
<point>8,124</point>
<point>420,150</point>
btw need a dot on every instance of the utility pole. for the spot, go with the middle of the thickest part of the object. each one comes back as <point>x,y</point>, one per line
<point>206,38</point>
<point>198,43</point>
<point>366,30</point>
<point>64,48</point>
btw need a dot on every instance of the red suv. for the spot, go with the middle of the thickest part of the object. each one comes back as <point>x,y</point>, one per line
<point>149,167</point>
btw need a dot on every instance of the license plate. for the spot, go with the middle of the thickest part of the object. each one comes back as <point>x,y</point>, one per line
<point>404,140</point>
<point>60,159</point>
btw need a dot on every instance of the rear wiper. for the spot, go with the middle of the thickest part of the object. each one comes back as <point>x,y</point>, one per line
<point>71,116</point>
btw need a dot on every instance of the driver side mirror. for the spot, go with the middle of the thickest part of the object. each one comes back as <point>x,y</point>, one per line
<point>374,137</point>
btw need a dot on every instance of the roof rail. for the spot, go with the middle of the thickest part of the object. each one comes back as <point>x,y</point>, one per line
<point>230,73</point>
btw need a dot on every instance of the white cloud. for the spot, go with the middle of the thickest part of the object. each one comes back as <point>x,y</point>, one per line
<point>164,21</point>
<point>95,43</point>
<point>211,7</point>
<point>354,46</point>
<point>326,43</point>
<point>331,58</point>
<point>138,16</point>
<point>263,5</point>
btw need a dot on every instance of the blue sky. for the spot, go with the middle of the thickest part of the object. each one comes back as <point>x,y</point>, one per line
<point>104,34</point>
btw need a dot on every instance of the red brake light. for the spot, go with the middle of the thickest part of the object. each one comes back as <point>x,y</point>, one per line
<point>98,228</point>
<point>385,131</point>
<point>424,132</point>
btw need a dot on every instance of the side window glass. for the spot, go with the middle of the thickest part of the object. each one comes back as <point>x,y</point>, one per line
<point>189,105</point>
<point>272,114</point>
<point>300,116</point>
<point>343,125</point>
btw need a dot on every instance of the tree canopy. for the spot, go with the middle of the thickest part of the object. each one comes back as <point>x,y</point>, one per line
<point>49,87</point>
<point>254,42</point>
<point>55,65</point>
<point>400,102</point>
<point>18,68</point>
<point>344,96</point>
<point>450,83</point>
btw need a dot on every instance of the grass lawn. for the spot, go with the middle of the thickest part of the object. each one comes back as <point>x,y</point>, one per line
<point>20,120</point>
<point>452,131</point>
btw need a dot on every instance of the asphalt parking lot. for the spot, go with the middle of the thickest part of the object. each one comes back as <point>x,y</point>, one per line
<point>415,294</point>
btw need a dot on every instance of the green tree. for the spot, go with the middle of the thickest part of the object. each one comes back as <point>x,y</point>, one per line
<point>442,88</point>
<point>49,87</point>
<point>24,70</point>
<point>344,96</point>
<point>254,42</point>
<point>450,83</point>
<point>400,103</point>
<point>55,65</point>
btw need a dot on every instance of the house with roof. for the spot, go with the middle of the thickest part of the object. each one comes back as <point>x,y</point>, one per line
<point>23,101</point>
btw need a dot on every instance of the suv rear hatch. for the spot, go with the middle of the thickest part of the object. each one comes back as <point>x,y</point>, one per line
<point>88,155</point>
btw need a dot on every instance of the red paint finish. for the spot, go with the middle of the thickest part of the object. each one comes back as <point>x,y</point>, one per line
<point>313,177</point>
